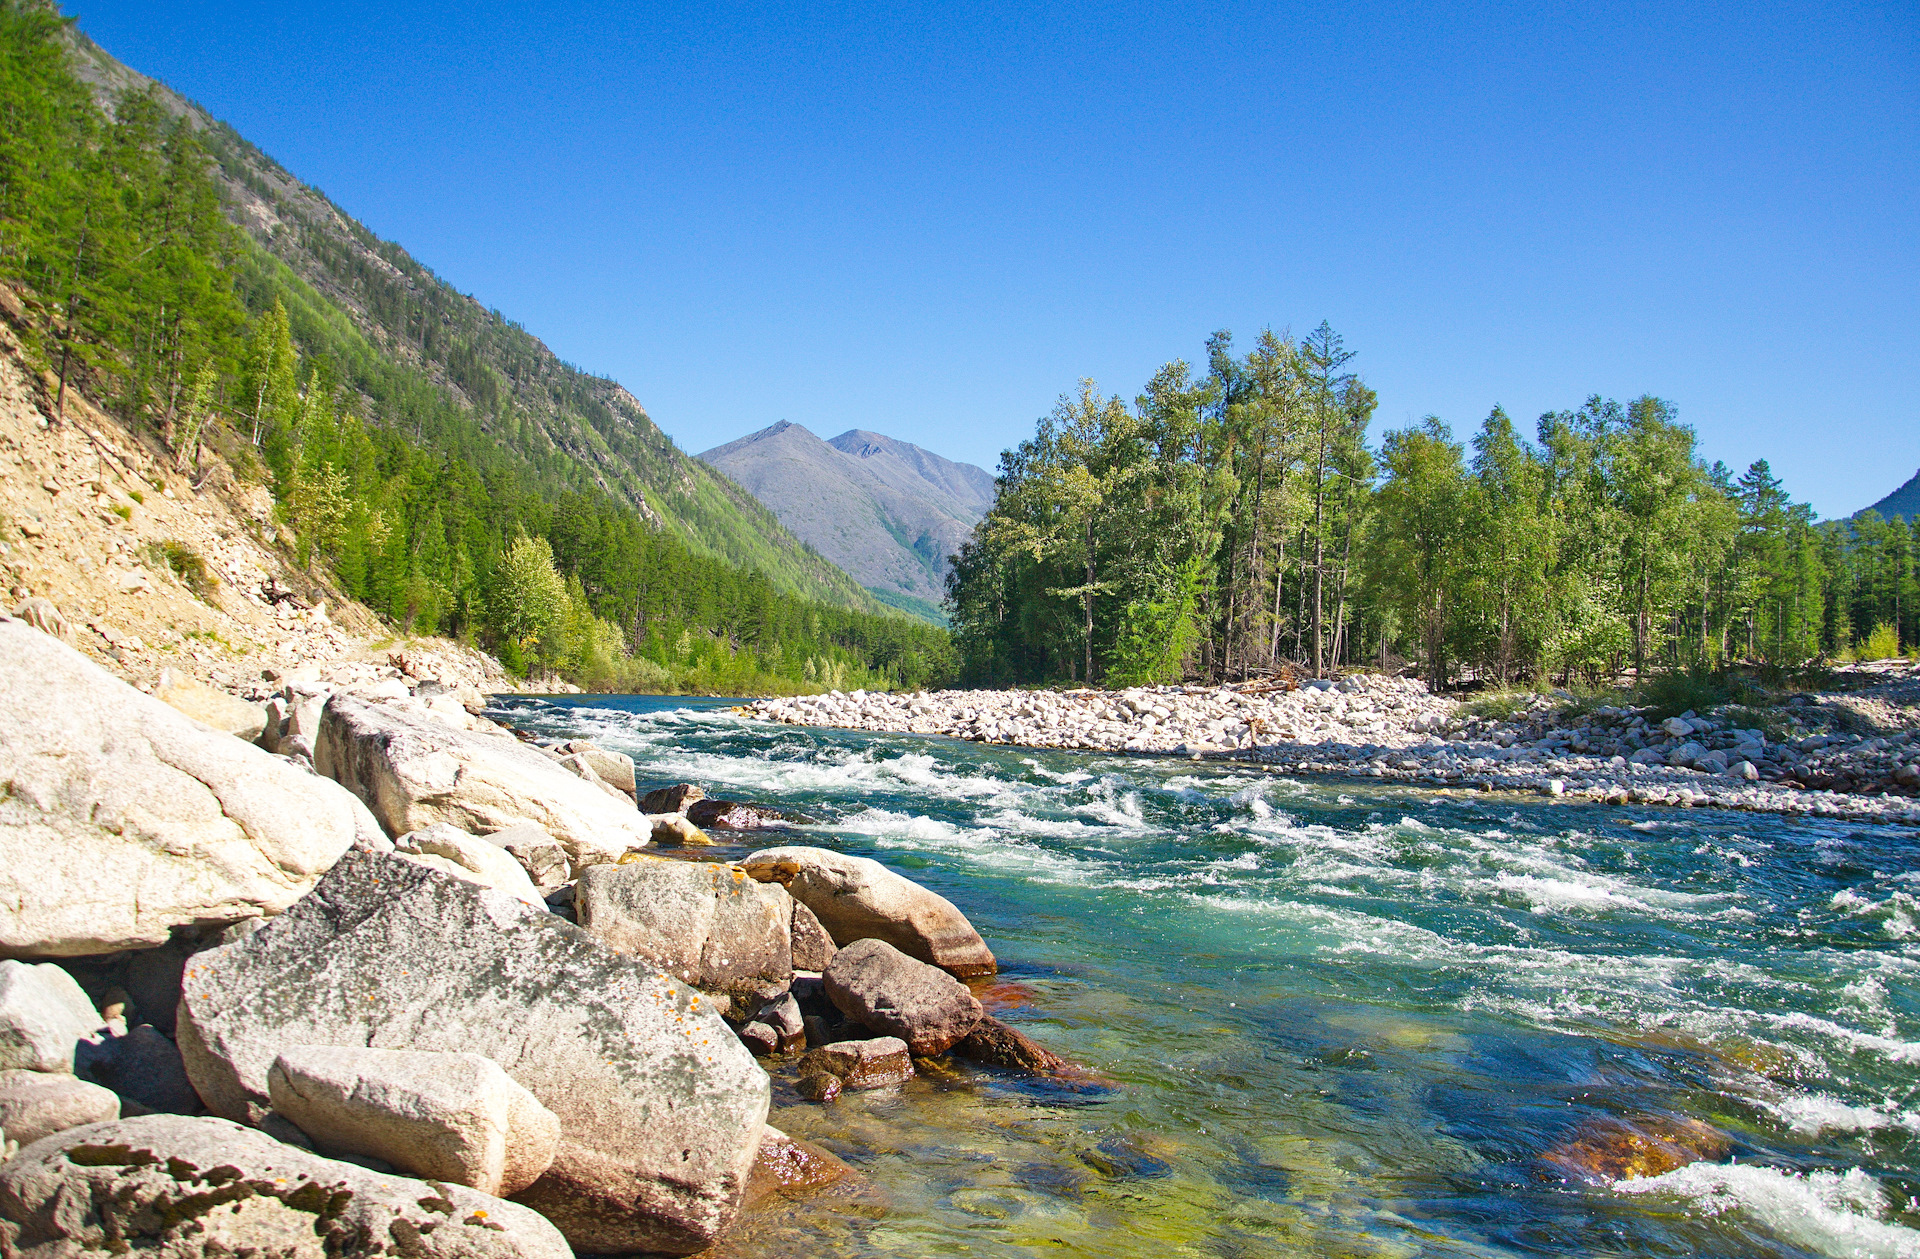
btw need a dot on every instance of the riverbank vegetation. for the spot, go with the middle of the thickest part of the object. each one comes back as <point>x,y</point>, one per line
<point>1237,520</point>
<point>398,431</point>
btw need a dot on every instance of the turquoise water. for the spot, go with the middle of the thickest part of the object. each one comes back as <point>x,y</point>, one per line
<point>1346,1019</point>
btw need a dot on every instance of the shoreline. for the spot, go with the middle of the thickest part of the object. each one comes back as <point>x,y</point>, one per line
<point>1377,729</point>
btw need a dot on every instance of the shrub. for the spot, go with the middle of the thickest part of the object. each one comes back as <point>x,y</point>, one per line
<point>184,563</point>
<point>1882,644</point>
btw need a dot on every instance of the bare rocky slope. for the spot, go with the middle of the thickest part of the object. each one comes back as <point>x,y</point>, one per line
<point>887,511</point>
<point>154,573</point>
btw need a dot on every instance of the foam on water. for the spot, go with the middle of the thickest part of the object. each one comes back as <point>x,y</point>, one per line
<point>1837,1214</point>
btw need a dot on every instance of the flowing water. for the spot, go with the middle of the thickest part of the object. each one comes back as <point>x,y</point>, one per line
<point>1342,1019</point>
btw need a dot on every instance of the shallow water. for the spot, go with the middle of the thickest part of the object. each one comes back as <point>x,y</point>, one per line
<point>1347,1019</point>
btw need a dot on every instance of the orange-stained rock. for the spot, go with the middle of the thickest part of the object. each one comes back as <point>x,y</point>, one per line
<point>1610,1149</point>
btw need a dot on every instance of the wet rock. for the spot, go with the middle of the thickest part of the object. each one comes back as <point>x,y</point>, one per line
<point>44,1015</point>
<point>861,1064</point>
<point>760,1039</point>
<point>1607,1149</point>
<point>671,830</point>
<point>884,990</point>
<point>734,815</point>
<point>125,818</point>
<point>660,1106</point>
<point>144,1068</point>
<point>998,1045</point>
<point>819,1087</point>
<point>856,898</point>
<point>674,799</point>
<point>36,1104</point>
<point>440,1116</point>
<point>168,1185</point>
<point>413,772</point>
<point>706,924</point>
<point>813,948</point>
<point>210,707</point>
<point>792,1166</point>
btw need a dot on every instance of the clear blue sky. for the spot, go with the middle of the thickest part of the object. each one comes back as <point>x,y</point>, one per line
<point>930,220</point>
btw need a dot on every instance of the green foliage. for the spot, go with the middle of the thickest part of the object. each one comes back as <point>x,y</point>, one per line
<point>184,563</point>
<point>1882,644</point>
<point>1157,635</point>
<point>421,450</point>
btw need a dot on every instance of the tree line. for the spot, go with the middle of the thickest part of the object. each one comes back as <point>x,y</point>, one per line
<point>425,498</point>
<point>1236,521</point>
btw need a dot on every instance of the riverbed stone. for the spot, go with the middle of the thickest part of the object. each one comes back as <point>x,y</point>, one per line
<point>125,818</point>
<point>857,898</point>
<point>659,1105</point>
<point>674,799</point>
<point>414,772</point>
<point>891,994</point>
<point>706,924</point>
<point>675,830</point>
<point>44,1015</point>
<point>538,853</point>
<point>861,1064</point>
<point>734,815</point>
<point>180,1188</point>
<point>792,1166</point>
<point>612,768</point>
<point>36,1104</point>
<point>453,851</point>
<point>439,1116</point>
<point>1610,1148</point>
<point>998,1045</point>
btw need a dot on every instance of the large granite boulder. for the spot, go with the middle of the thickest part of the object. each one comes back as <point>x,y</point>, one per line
<point>451,851</point>
<point>857,898</point>
<point>210,706</point>
<point>174,1187</point>
<point>708,924</point>
<point>438,1116</point>
<point>891,994</point>
<point>36,1104</point>
<point>413,772</point>
<point>124,818</point>
<point>659,1105</point>
<point>44,1015</point>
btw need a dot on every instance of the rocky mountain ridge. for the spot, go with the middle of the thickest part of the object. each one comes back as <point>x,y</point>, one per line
<point>1903,502</point>
<point>887,511</point>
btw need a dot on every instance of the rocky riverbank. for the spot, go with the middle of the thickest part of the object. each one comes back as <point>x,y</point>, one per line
<point>357,971</point>
<point>1853,753</point>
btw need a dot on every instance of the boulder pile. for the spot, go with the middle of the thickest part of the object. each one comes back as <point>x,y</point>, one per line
<point>360,973</point>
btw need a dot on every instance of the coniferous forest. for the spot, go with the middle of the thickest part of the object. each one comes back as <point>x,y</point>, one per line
<point>1236,520</point>
<point>432,457</point>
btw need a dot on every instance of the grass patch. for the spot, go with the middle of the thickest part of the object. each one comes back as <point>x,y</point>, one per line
<point>184,563</point>
<point>123,511</point>
<point>1499,706</point>
<point>136,496</point>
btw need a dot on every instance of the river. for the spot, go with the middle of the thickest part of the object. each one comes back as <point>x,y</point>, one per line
<point>1346,1019</point>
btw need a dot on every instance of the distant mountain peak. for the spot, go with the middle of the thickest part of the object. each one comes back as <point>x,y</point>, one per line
<point>888,511</point>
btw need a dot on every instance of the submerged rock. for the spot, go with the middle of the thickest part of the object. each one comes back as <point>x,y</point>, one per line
<point>124,818</point>
<point>861,1064</point>
<point>171,1186</point>
<point>998,1045</point>
<point>659,1105</point>
<point>856,898</point>
<point>1608,1149</point>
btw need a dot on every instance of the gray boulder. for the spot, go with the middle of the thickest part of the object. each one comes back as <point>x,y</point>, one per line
<point>538,853</point>
<point>1686,755</point>
<point>181,1188</point>
<point>44,1015</point>
<point>813,948</point>
<point>413,771</point>
<point>659,1105</point>
<point>442,847</point>
<point>125,818</point>
<point>36,1104</point>
<point>439,1116</point>
<point>891,994</point>
<point>707,924</point>
<point>612,768</point>
<point>856,898</point>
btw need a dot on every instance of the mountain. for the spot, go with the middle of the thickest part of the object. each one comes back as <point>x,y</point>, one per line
<point>1903,502</point>
<point>389,316</point>
<point>887,511</point>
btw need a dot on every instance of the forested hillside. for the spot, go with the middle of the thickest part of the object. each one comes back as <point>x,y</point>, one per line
<point>450,471</point>
<point>1234,521</point>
